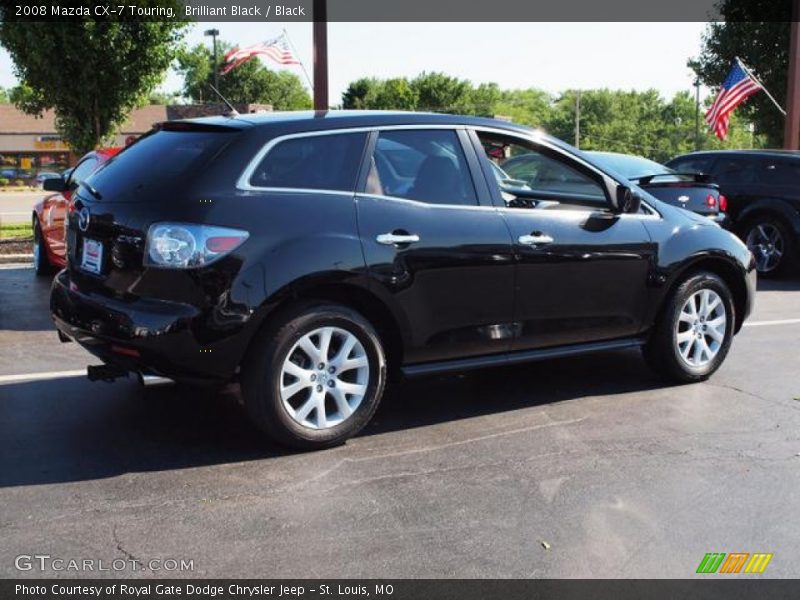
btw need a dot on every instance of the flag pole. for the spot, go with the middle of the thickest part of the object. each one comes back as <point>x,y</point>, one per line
<point>750,72</point>
<point>302,66</point>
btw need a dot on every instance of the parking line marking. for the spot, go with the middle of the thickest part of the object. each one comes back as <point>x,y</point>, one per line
<point>767,323</point>
<point>6,379</point>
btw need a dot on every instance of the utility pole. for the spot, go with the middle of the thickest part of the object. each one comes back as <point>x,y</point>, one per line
<point>320,55</point>
<point>791,132</point>
<point>214,33</point>
<point>697,113</point>
<point>578,119</point>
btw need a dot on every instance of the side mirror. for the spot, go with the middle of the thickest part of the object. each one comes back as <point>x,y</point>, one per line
<point>54,184</point>
<point>628,201</point>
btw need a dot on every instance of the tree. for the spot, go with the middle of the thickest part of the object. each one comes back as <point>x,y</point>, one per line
<point>92,73</point>
<point>250,82</point>
<point>757,31</point>
<point>395,94</point>
<point>3,96</point>
<point>360,94</point>
<point>441,93</point>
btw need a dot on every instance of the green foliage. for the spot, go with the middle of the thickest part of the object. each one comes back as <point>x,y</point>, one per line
<point>92,73</point>
<point>3,96</point>
<point>757,31</point>
<point>250,82</point>
<point>631,122</point>
<point>3,181</point>
<point>161,98</point>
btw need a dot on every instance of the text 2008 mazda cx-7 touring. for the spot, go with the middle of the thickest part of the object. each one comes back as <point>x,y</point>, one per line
<point>308,255</point>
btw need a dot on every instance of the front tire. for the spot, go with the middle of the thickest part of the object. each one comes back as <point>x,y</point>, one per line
<point>694,332</point>
<point>41,266</point>
<point>315,377</point>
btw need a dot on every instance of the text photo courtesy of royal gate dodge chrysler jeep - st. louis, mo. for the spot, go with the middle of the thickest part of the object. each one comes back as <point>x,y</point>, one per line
<point>399,303</point>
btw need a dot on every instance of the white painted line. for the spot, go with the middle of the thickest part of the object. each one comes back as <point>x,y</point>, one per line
<point>6,379</point>
<point>768,323</point>
<point>14,214</point>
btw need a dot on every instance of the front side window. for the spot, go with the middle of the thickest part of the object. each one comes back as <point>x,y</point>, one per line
<point>424,165</point>
<point>775,172</point>
<point>318,162</point>
<point>525,174</point>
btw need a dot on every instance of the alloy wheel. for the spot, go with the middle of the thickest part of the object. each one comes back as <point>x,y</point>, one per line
<point>766,243</point>
<point>324,378</point>
<point>701,328</point>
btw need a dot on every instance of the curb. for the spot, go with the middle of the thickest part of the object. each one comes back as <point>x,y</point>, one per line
<point>15,258</point>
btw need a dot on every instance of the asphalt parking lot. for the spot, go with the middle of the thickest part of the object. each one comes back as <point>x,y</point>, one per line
<point>582,467</point>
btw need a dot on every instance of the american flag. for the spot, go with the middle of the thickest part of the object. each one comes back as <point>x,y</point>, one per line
<point>276,49</point>
<point>737,87</point>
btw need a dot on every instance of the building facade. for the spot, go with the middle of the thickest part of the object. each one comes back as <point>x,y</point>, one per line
<point>31,145</point>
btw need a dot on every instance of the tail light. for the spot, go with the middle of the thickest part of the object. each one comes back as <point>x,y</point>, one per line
<point>723,203</point>
<point>711,202</point>
<point>187,245</point>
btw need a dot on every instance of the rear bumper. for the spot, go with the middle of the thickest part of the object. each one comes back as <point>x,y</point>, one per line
<point>721,219</point>
<point>149,337</point>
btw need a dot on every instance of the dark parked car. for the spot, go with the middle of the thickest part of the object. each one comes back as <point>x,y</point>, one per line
<point>763,191</point>
<point>308,256</point>
<point>692,191</point>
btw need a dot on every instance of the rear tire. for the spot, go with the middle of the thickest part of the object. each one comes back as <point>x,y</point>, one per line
<point>771,242</point>
<point>41,266</point>
<point>314,377</point>
<point>694,332</point>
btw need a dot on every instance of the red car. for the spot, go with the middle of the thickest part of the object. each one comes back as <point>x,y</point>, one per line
<point>49,243</point>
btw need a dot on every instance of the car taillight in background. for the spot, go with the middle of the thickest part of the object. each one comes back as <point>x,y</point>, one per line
<point>711,202</point>
<point>187,245</point>
<point>723,203</point>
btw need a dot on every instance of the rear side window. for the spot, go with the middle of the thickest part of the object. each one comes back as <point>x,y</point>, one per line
<point>156,161</point>
<point>694,164</point>
<point>319,162</point>
<point>732,171</point>
<point>424,165</point>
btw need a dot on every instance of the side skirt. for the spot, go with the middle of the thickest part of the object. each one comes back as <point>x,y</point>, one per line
<point>512,358</point>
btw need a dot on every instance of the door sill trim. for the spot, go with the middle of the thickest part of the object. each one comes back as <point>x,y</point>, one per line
<point>512,358</point>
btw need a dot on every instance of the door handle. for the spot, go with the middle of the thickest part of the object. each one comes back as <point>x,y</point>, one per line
<point>534,239</point>
<point>394,239</point>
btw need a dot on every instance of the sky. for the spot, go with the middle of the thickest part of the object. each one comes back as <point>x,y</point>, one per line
<point>549,56</point>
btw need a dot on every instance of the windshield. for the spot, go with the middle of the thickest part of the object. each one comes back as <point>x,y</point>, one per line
<point>632,167</point>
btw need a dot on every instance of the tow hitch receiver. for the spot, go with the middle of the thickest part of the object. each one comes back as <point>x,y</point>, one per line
<point>105,373</point>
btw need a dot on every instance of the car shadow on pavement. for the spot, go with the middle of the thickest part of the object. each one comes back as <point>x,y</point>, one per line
<point>784,284</point>
<point>24,301</point>
<point>71,430</point>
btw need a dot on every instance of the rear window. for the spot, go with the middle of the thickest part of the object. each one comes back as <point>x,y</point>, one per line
<point>158,160</point>
<point>319,162</point>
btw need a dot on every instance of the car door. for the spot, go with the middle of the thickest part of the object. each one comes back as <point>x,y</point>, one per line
<point>582,271</point>
<point>55,209</point>
<point>436,249</point>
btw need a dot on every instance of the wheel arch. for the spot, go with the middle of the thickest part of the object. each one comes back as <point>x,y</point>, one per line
<point>352,296</point>
<point>728,271</point>
<point>772,207</point>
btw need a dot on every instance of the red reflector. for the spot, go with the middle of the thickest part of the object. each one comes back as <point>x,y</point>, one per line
<point>711,202</point>
<point>222,244</point>
<point>723,203</point>
<point>126,351</point>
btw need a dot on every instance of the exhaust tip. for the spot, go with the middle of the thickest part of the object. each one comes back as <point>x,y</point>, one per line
<point>154,380</point>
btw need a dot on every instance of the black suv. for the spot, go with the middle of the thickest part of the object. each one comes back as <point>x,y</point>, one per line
<point>763,192</point>
<point>310,255</point>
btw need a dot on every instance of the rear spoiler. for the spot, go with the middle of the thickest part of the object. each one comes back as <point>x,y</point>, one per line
<point>696,177</point>
<point>194,126</point>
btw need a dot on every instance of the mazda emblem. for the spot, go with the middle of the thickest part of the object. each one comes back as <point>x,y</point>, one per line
<point>83,219</point>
